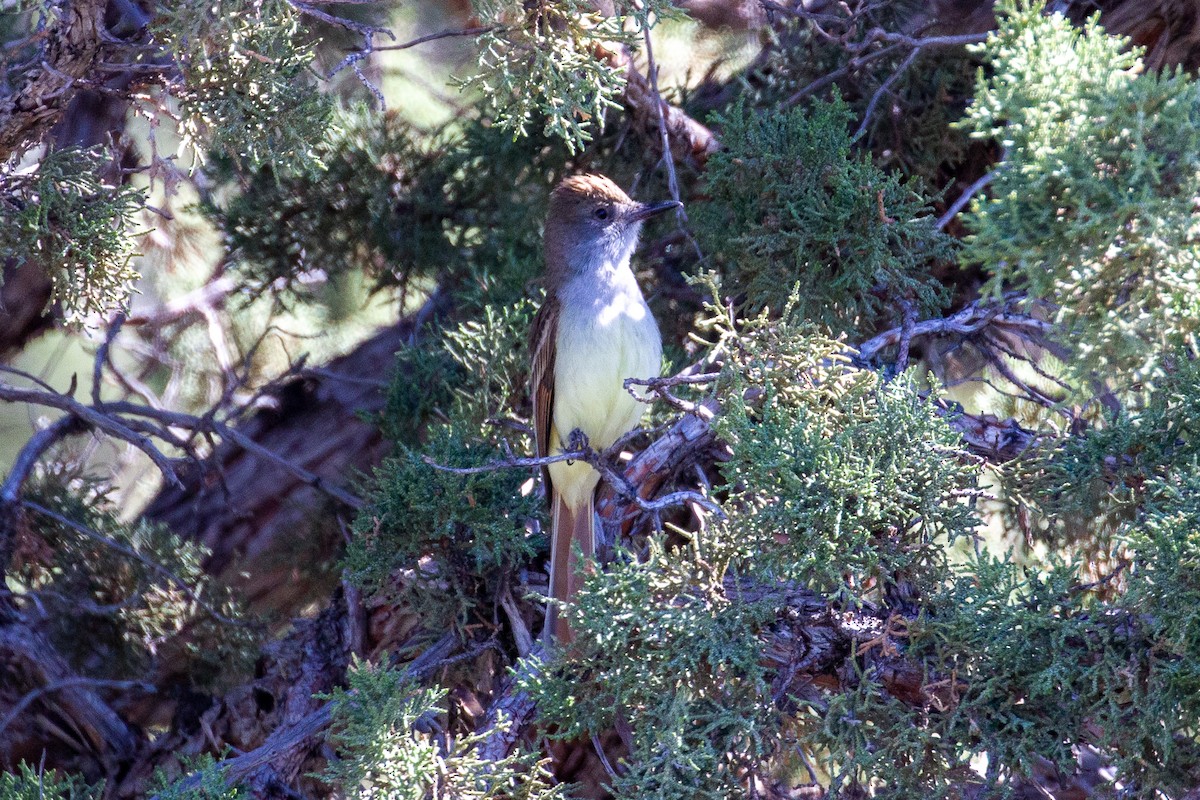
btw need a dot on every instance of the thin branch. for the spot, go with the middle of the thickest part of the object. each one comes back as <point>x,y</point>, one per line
<point>29,376</point>
<point>439,35</point>
<point>601,462</point>
<point>353,60</point>
<point>94,418</point>
<point>906,330</point>
<point>971,320</point>
<point>38,444</point>
<point>883,89</point>
<point>513,462</point>
<point>210,424</point>
<point>210,295</point>
<point>71,683</point>
<point>850,66</point>
<point>660,387</point>
<point>861,57</point>
<point>114,327</point>
<point>668,157</point>
<point>964,198</point>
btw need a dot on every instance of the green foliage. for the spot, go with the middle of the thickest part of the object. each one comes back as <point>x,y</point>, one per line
<point>246,91</point>
<point>534,73</point>
<point>1164,594</point>
<point>387,747</point>
<point>463,533</point>
<point>1044,667</point>
<point>1093,206</point>
<point>67,218</point>
<point>791,206</point>
<point>662,649</point>
<point>554,66</point>
<point>911,129</point>
<point>407,208</point>
<point>26,783</point>
<point>834,472</point>
<point>457,537</point>
<point>115,593</point>
<point>365,203</point>
<point>1085,486</point>
<point>205,781</point>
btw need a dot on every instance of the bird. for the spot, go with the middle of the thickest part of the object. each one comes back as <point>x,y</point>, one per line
<point>592,332</point>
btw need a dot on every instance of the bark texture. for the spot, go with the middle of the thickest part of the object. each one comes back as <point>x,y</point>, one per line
<point>73,46</point>
<point>270,533</point>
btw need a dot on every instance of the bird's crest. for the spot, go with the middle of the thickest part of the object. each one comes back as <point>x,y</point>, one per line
<point>589,187</point>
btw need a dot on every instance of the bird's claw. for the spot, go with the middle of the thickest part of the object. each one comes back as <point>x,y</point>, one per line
<point>577,441</point>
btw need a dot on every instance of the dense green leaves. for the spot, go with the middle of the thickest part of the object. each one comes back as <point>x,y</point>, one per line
<point>554,69</point>
<point>1093,205</point>
<point>117,593</point>
<point>26,783</point>
<point>385,732</point>
<point>457,537</point>
<point>793,207</point>
<point>247,93</point>
<point>834,472</point>
<point>74,218</point>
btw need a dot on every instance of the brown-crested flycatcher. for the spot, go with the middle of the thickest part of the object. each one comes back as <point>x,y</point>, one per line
<point>594,331</point>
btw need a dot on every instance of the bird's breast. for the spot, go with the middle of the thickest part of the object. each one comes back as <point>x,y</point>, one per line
<point>601,343</point>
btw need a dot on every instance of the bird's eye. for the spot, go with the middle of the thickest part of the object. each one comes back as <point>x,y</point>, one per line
<point>600,213</point>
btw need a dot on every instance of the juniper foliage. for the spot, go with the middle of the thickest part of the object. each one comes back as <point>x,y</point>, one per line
<point>28,783</point>
<point>73,218</point>
<point>462,205</point>
<point>115,592</point>
<point>205,781</point>
<point>245,93</point>
<point>912,128</point>
<point>833,474</point>
<point>385,733</point>
<point>463,534</point>
<point>792,205</point>
<point>558,65</point>
<point>1092,207</point>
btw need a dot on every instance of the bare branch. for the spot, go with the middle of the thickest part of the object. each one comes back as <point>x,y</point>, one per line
<point>70,683</point>
<point>38,444</point>
<point>968,322</point>
<point>964,198</point>
<point>353,60</point>
<point>209,424</point>
<point>862,53</point>
<point>93,417</point>
<point>668,158</point>
<point>435,36</point>
<point>883,89</point>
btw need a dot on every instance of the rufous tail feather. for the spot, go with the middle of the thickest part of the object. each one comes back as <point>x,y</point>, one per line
<point>566,570</point>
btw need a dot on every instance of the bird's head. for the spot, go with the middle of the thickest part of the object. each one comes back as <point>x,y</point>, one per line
<point>592,221</point>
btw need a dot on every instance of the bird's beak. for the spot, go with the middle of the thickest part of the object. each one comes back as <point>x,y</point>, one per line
<point>646,210</point>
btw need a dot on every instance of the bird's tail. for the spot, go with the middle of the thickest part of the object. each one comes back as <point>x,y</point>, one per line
<point>566,574</point>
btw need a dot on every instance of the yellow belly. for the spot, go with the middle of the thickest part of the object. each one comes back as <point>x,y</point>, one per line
<point>596,352</point>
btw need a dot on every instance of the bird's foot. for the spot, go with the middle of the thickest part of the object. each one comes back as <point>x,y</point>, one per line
<point>577,441</point>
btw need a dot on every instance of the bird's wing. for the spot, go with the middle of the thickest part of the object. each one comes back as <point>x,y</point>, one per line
<point>543,346</point>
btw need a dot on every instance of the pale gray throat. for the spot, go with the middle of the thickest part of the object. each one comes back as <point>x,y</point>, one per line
<point>599,274</point>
